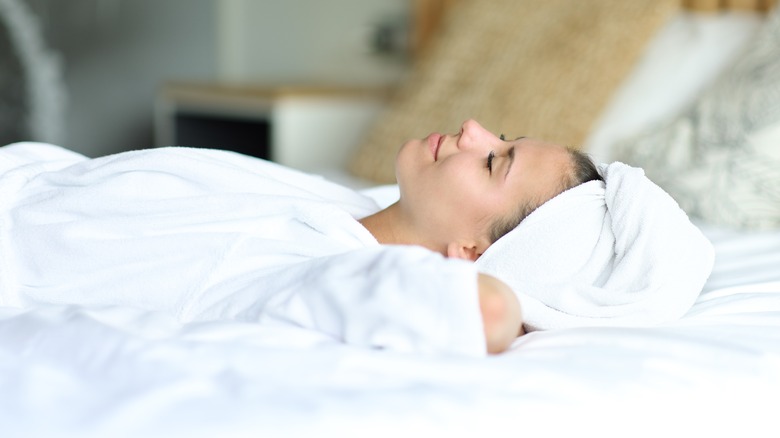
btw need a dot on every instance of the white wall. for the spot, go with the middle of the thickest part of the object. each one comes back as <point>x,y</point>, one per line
<point>306,41</point>
<point>116,55</point>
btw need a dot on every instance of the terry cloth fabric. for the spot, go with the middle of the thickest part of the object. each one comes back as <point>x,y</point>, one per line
<point>205,235</point>
<point>620,253</point>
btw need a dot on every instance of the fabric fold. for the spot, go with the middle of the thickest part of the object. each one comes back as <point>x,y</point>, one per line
<point>207,235</point>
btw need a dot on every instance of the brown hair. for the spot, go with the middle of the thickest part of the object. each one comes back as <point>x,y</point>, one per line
<point>582,170</point>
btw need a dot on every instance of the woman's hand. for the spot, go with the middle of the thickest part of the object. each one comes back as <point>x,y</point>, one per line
<point>501,314</point>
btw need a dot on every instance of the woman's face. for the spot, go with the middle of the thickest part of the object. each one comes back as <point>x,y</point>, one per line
<point>453,187</point>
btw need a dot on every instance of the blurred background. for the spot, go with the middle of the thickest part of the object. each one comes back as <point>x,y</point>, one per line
<point>334,87</point>
<point>108,63</point>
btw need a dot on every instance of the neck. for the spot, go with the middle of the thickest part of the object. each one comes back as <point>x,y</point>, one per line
<point>389,227</point>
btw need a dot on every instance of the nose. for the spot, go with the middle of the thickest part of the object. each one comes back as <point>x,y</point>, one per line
<point>472,128</point>
<point>474,136</point>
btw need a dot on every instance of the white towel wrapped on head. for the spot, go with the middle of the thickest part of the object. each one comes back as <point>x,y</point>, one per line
<point>620,253</point>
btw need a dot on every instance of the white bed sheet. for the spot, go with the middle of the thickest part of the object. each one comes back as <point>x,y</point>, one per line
<point>66,371</point>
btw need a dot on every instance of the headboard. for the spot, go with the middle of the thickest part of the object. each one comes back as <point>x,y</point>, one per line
<point>427,13</point>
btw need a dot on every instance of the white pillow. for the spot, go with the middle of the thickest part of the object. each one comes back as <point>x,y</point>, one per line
<point>680,61</point>
<point>720,158</point>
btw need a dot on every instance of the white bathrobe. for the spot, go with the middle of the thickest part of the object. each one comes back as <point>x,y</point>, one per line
<point>206,234</point>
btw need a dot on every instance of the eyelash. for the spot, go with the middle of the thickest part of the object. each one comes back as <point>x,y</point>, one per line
<point>492,155</point>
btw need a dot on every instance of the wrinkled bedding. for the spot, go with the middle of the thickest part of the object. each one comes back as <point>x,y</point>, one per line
<point>72,371</point>
<point>210,235</point>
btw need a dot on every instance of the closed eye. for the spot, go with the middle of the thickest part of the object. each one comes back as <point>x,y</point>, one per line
<point>490,157</point>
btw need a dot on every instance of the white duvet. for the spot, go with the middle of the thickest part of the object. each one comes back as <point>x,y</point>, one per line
<point>114,371</point>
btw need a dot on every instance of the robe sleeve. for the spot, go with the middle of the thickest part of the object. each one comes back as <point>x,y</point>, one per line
<point>402,298</point>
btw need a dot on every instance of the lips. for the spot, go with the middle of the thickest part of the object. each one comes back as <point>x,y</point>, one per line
<point>434,143</point>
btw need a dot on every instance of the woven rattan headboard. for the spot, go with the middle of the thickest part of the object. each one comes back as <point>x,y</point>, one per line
<point>722,5</point>
<point>428,12</point>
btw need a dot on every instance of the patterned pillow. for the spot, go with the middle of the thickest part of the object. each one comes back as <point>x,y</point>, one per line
<point>538,68</point>
<point>721,159</point>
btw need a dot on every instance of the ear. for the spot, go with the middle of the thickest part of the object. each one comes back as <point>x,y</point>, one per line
<point>459,250</point>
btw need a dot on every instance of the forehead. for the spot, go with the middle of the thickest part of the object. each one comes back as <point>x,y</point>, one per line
<point>543,154</point>
<point>540,146</point>
<point>539,170</point>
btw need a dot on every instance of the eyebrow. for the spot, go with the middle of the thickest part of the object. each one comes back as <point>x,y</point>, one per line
<point>511,154</point>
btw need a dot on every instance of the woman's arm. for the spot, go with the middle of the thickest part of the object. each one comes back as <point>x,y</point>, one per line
<point>400,298</point>
<point>501,313</point>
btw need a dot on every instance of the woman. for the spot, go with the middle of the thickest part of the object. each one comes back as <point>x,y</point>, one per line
<point>204,234</point>
<point>462,192</point>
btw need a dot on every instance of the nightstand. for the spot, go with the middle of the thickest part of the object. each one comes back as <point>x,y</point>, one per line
<point>305,127</point>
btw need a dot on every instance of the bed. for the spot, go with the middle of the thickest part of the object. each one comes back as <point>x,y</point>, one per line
<point>112,371</point>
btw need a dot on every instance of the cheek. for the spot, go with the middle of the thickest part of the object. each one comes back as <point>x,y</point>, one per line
<point>469,192</point>
<point>404,162</point>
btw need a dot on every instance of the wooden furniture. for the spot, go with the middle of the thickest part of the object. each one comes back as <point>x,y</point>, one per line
<point>305,127</point>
